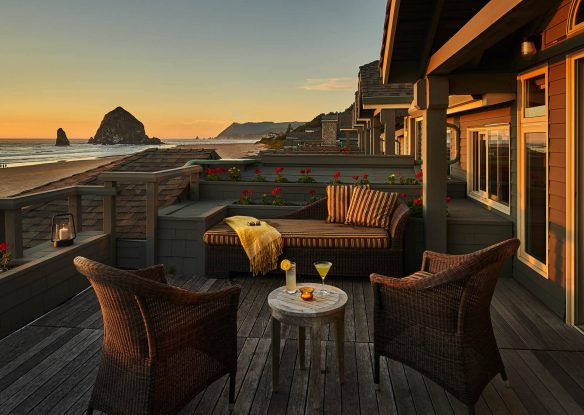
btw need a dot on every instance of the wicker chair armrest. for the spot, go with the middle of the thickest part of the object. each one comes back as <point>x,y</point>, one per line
<point>315,210</point>
<point>437,262</point>
<point>203,321</point>
<point>154,273</point>
<point>418,301</point>
<point>397,227</point>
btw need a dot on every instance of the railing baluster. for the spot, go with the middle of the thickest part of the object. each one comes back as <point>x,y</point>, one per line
<point>76,210</point>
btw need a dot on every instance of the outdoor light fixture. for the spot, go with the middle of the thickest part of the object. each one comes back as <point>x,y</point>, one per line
<point>63,230</point>
<point>528,48</point>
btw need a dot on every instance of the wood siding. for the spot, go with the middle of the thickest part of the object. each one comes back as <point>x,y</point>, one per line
<point>556,29</point>
<point>557,174</point>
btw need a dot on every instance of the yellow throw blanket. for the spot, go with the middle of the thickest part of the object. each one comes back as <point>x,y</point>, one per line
<point>262,244</point>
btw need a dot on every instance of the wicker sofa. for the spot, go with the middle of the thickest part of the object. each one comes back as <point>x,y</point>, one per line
<point>354,251</point>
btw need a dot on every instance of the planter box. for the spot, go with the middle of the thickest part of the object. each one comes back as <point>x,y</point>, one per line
<point>36,287</point>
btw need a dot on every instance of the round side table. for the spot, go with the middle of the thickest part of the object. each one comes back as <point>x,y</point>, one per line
<point>292,310</point>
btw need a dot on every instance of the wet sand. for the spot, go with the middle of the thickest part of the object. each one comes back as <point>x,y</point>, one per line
<point>14,180</point>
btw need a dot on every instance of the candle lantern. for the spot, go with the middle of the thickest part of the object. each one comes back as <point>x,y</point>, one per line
<point>63,230</point>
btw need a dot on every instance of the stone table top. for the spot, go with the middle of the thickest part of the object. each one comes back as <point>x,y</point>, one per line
<point>292,305</point>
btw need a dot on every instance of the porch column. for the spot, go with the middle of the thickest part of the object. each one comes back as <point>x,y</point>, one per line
<point>412,136</point>
<point>367,138</point>
<point>432,99</point>
<point>387,118</point>
<point>376,135</point>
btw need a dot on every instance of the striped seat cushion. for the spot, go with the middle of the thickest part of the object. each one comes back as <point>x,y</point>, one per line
<point>309,233</point>
<point>371,207</point>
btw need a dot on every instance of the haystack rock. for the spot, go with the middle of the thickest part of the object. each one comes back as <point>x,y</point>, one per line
<point>62,140</point>
<point>121,127</point>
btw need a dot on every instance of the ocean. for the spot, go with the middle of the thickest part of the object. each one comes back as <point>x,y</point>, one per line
<point>23,152</point>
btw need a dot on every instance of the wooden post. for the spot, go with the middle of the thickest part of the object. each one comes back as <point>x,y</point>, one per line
<point>412,136</point>
<point>2,227</point>
<point>151,223</point>
<point>76,210</point>
<point>109,221</point>
<point>194,186</point>
<point>434,160</point>
<point>387,117</point>
<point>13,231</point>
<point>376,135</point>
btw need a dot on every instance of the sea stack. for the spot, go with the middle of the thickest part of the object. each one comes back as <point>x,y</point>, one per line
<point>121,127</point>
<point>62,140</point>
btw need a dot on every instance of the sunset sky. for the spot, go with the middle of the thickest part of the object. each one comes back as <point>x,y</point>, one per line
<point>182,67</point>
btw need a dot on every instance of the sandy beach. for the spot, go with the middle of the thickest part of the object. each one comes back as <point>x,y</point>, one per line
<point>14,180</point>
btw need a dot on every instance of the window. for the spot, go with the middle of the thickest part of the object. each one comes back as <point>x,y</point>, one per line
<point>576,17</point>
<point>532,169</point>
<point>490,166</point>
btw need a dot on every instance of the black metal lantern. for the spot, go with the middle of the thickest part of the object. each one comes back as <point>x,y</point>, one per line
<point>63,230</point>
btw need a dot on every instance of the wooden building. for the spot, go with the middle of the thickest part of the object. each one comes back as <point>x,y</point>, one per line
<point>379,111</point>
<point>507,77</point>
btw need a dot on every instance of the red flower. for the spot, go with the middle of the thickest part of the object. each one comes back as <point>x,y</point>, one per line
<point>312,192</point>
<point>276,190</point>
<point>365,176</point>
<point>337,174</point>
<point>247,192</point>
<point>3,246</point>
<point>302,171</point>
<point>258,170</point>
<point>355,178</point>
<point>448,199</point>
<point>403,194</point>
<point>398,173</point>
<point>419,175</point>
<point>308,170</point>
<point>210,170</point>
<point>279,170</point>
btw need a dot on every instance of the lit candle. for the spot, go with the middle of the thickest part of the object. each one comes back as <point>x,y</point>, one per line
<point>64,233</point>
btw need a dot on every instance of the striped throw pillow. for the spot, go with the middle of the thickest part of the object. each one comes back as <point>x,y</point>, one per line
<point>338,199</point>
<point>371,208</point>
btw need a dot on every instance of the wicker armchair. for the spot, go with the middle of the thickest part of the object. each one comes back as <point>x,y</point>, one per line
<point>438,320</point>
<point>162,344</point>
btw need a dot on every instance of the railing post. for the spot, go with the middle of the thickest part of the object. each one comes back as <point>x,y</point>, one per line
<point>76,210</point>
<point>151,223</point>
<point>109,221</point>
<point>194,186</point>
<point>13,230</point>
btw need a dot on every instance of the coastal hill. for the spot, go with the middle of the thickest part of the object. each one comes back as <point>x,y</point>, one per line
<point>121,127</point>
<point>255,130</point>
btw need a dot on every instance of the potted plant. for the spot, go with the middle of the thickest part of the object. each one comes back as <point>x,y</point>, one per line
<point>213,174</point>
<point>234,174</point>
<point>279,178</point>
<point>305,176</point>
<point>5,257</point>
<point>313,196</point>
<point>258,175</point>
<point>278,199</point>
<point>336,178</point>
<point>245,197</point>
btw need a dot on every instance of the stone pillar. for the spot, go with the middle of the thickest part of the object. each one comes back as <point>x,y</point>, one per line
<point>376,135</point>
<point>432,99</point>
<point>387,118</point>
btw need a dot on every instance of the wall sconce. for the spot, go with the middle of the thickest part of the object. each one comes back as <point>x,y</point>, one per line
<point>528,48</point>
<point>63,230</point>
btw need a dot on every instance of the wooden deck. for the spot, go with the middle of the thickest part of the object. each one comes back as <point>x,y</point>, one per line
<point>50,365</point>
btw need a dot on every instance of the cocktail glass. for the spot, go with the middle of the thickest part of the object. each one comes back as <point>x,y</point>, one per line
<point>323,268</point>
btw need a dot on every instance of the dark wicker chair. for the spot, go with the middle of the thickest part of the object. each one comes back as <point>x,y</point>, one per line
<point>162,344</point>
<point>438,320</point>
<point>221,260</point>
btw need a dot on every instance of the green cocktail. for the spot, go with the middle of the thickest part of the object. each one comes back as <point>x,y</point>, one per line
<point>323,268</point>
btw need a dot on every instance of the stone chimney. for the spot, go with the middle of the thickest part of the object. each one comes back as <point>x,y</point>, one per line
<point>330,125</point>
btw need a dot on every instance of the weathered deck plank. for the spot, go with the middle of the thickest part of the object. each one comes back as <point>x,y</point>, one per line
<point>50,365</point>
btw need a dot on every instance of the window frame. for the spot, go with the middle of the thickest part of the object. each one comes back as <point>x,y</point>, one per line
<point>572,27</point>
<point>524,126</point>
<point>478,195</point>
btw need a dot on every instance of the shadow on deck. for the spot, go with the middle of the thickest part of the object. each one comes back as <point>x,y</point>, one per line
<point>49,366</point>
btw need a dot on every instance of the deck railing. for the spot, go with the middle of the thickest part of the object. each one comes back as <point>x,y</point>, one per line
<point>11,211</point>
<point>152,181</point>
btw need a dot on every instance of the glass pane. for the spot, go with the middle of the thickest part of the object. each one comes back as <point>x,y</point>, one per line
<point>535,96</point>
<point>535,195</point>
<point>499,166</point>
<point>475,161</point>
<point>482,163</point>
